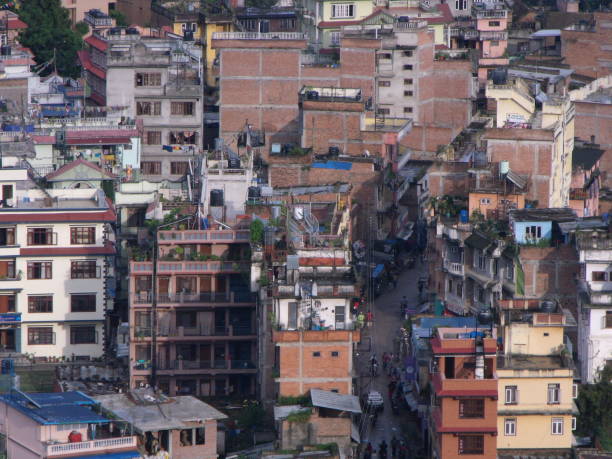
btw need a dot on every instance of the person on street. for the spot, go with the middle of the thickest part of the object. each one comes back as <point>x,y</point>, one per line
<point>382,450</point>
<point>360,320</point>
<point>385,359</point>
<point>368,451</point>
<point>394,446</point>
<point>369,317</point>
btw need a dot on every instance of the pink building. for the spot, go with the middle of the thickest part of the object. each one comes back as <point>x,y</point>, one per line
<point>62,425</point>
<point>492,26</point>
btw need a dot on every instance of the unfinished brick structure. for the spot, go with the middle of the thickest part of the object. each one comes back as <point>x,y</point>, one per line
<point>585,47</point>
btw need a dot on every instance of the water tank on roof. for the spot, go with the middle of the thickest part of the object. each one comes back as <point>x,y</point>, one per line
<point>114,31</point>
<point>485,316</point>
<point>233,163</point>
<point>499,76</point>
<point>504,167</point>
<point>131,31</point>
<point>463,216</point>
<point>254,192</point>
<point>216,198</point>
<point>548,306</point>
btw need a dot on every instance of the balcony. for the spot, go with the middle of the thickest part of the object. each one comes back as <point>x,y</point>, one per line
<point>192,267</point>
<point>92,446</point>
<point>492,14</point>
<point>168,237</point>
<point>195,298</point>
<point>181,366</point>
<point>323,291</point>
<point>198,332</point>
<point>258,36</point>
<point>493,35</point>
<point>464,386</point>
<point>455,268</point>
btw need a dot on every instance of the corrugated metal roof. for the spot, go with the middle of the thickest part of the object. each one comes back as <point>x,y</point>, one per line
<point>332,400</point>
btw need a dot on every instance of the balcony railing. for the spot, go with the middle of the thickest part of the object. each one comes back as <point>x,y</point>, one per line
<point>169,267</point>
<point>91,446</point>
<point>454,268</point>
<point>488,14</point>
<point>181,364</point>
<point>189,298</point>
<point>205,235</point>
<point>258,36</point>
<point>493,35</point>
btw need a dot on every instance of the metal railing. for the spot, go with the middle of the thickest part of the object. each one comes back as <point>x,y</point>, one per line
<point>90,446</point>
<point>258,36</point>
<point>191,266</point>
<point>454,268</point>
<point>205,235</point>
<point>204,297</point>
<point>182,364</point>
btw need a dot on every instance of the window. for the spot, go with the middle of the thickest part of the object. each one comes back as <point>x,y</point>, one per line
<point>40,303</point>
<point>408,81</point>
<point>83,235</point>
<point>343,10</point>
<point>200,436</point>
<point>384,56</point>
<point>407,53</point>
<point>153,138</point>
<point>340,316</point>
<point>40,270</point>
<point>335,354</point>
<point>384,111</point>
<point>471,444</point>
<point>574,390</point>
<point>407,109</point>
<point>608,320</point>
<point>599,276</point>
<point>148,108</point>
<point>480,260</point>
<point>510,427</point>
<point>41,335</point>
<point>151,167</point>
<point>574,423</point>
<point>41,236</point>
<point>471,408</point>
<point>7,236</point>
<point>485,201</point>
<point>7,303</point>
<point>511,395</point>
<point>83,302</point>
<point>384,84</point>
<point>494,43</point>
<point>182,137</point>
<point>316,354</point>
<point>287,24</point>
<point>460,4</point>
<point>407,67</point>
<point>182,108</point>
<point>408,93</point>
<point>83,334</point>
<point>557,426</point>
<point>509,270</point>
<point>334,38</point>
<point>148,79</point>
<point>554,392</point>
<point>84,269</point>
<point>292,322</point>
<point>178,167</point>
<point>494,23</point>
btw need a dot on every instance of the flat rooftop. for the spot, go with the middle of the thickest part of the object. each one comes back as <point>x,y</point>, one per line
<point>152,413</point>
<point>559,214</point>
<point>531,362</point>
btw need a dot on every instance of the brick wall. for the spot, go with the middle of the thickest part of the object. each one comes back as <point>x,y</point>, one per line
<point>586,51</point>
<point>593,122</point>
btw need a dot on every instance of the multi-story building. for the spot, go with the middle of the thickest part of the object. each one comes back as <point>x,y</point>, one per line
<point>77,9</point>
<point>312,286</point>
<point>57,268</point>
<point>535,405</point>
<point>206,325</point>
<point>594,299</point>
<point>463,412</point>
<point>157,82</point>
<point>58,425</point>
<point>521,130</point>
<point>491,24</point>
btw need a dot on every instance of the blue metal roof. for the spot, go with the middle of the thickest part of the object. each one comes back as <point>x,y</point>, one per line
<point>378,270</point>
<point>55,408</point>
<point>120,455</point>
<point>338,165</point>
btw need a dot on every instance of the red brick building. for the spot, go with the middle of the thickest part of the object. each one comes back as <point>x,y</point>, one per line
<point>585,46</point>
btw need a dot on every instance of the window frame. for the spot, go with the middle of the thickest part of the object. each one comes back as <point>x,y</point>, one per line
<point>553,394</point>
<point>37,330</point>
<point>513,400</point>
<point>556,422</point>
<point>510,422</point>
<point>147,79</point>
<point>42,305</point>
<point>73,334</point>
<point>384,83</point>
<point>155,166</point>
<point>153,137</point>
<point>178,108</point>
<point>337,10</point>
<point>471,412</point>
<point>77,235</point>
<point>174,168</point>
<point>34,233</point>
<point>74,296</point>
<point>473,449</point>
<point>82,269</point>
<point>46,270</point>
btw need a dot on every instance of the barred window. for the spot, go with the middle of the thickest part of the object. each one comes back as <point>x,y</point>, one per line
<point>84,269</point>
<point>41,335</point>
<point>82,235</point>
<point>41,236</point>
<point>148,79</point>
<point>83,334</point>
<point>182,108</point>
<point>471,408</point>
<point>83,302</point>
<point>148,108</point>
<point>153,137</point>
<point>40,270</point>
<point>471,444</point>
<point>40,303</point>
<point>150,167</point>
<point>178,167</point>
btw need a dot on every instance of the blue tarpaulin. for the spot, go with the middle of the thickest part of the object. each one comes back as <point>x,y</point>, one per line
<point>338,165</point>
<point>119,455</point>
<point>378,270</point>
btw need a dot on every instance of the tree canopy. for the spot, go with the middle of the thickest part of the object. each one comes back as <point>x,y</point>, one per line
<point>595,405</point>
<point>49,32</point>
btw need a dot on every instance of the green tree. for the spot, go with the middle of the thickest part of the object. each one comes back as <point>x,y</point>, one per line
<point>82,28</point>
<point>119,17</point>
<point>49,33</point>
<point>595,405</point>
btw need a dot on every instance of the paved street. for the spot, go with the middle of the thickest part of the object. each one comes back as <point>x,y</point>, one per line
<point>386,325</point>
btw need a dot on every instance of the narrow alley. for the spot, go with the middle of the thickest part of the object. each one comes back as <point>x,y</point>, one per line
<point>380,337</point>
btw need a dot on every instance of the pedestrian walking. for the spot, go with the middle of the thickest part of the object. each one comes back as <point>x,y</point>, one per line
<point>369,317</point>
<point>394,446</point>
<point>360,320</point>
<point>368,451</point>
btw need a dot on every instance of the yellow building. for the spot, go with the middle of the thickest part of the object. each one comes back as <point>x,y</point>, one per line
<point>212,24</point>
<point>536,410</point>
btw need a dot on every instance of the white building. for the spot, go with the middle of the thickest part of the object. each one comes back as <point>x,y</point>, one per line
<point>56,268</point>
<point>595,301</point>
